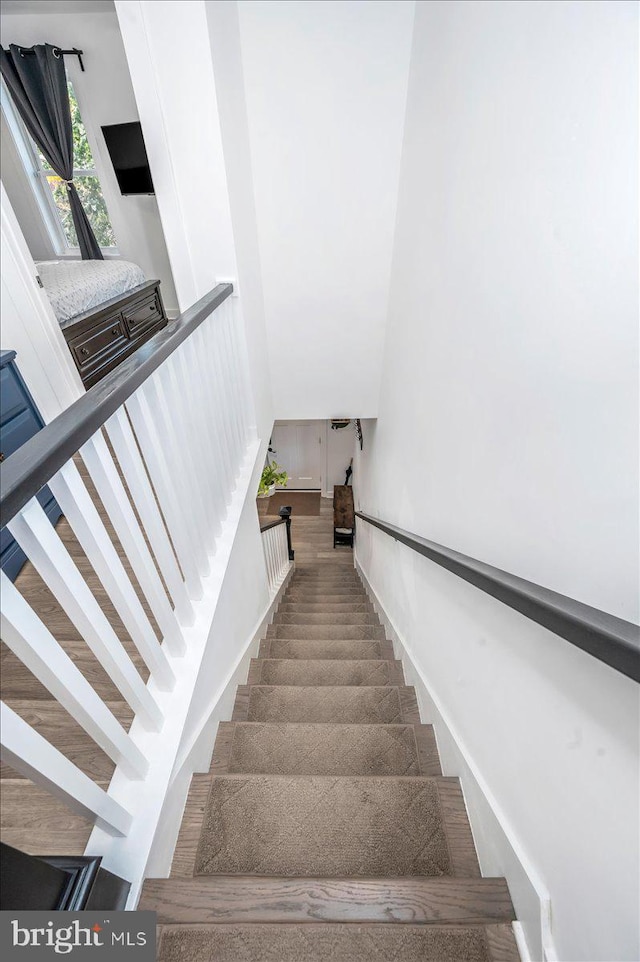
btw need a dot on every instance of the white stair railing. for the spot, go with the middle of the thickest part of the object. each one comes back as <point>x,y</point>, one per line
<point>162,440</point>
<point>277,552</point>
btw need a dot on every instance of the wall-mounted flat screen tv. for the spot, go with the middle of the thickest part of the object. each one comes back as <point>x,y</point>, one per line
<point>129,158</point>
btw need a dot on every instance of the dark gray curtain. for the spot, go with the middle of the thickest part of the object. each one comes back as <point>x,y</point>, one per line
<point>37,83</point>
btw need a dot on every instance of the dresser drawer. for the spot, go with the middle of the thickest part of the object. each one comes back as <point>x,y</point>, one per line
<point>97,344</point>
<point>141,315</point>
<point>18,430</point>
<point>14,399</point>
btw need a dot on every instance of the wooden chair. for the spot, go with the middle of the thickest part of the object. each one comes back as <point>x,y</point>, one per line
<point>344,519</point>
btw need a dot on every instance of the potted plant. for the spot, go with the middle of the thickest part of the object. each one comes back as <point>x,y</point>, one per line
<point>273,476</point>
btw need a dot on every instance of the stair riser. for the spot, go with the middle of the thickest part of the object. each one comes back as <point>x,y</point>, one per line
<point>325,672</point>
<point>345,576</point>
<point>310,649</point>
<point>326,618</point>
<point>304,607</point>
<point>318,595</point>
<point>322,632</point>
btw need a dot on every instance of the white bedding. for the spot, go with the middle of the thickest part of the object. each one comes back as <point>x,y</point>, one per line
<point>77,286</point>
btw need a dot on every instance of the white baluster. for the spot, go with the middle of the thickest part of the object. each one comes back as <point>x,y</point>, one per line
<point>26,751</point>
<point>223,383</point>
<point>150,435</point>
<point>45,550</point>
<point>271,554</point>
<point>113,495</point>
<point>282,549</point>
<point>81,513</point>
<point>211,380</point>
<point>226,347</point>
<point>28,638</point>
<point>181,479</point>
<point>230,326</point>
<point>191,369</point>
<point>133,467</point>
<point>267,557</point>
<point>185,423</point>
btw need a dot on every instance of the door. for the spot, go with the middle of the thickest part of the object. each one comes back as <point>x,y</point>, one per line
<point>297,447</point>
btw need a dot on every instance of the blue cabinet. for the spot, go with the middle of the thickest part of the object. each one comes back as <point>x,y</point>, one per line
<point>19,420</point>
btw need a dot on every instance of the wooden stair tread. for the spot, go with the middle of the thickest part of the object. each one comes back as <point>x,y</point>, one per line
<point>50,719</point>
<point>37,823</point>
<point>247,899</point>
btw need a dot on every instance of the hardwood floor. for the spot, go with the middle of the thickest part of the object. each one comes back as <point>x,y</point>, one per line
<point>30,818</point>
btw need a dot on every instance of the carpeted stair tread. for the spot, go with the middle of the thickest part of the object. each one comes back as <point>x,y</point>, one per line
<point>307,749</point>
<point>323,826</point>
<point>323,671</point>
<point>321,942</point>
<point>326,618</point>
<point>344,705</point>
<point>362,632</point>
<point>325,803</point>
<point>329,648</point>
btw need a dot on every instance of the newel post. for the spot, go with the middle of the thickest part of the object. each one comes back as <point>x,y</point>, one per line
<point>285,514</point>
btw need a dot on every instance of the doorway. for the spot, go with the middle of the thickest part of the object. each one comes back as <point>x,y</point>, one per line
<point>297,446</point>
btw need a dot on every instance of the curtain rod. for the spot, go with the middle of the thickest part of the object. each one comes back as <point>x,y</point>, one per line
<point>74,52</point>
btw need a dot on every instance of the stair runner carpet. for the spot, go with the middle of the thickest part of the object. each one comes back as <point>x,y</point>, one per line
<point>335,943</point>
<point>326,815</point>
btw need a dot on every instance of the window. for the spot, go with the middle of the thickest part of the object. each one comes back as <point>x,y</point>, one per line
<point>51,191</point>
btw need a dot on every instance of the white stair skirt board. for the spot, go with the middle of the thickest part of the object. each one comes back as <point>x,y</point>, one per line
<point>195,756</point>
<point>499,850</point>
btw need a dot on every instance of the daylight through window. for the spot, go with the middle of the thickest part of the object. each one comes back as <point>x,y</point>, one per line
<point>51,190</point>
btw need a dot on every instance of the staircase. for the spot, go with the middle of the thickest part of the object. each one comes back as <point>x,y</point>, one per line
<point>324,828</point>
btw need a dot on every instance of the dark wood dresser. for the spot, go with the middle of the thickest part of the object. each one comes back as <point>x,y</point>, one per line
<point>101,338</point>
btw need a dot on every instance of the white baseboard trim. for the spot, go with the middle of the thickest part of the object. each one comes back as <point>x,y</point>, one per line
<point>230,682</point>
<point>499,850</point>
<point>195,757</point>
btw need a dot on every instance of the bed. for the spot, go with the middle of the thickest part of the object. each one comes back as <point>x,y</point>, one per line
<point>106,310</point>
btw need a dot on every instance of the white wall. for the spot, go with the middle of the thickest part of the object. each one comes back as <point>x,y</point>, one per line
<point>30,327</point>
<point>23,200</point>
<point>326,84</point>
<point>508,430</point>
<point>183,119</point>
<point>337,449</point>
<point>105,96</point>
<point>340,448</point>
